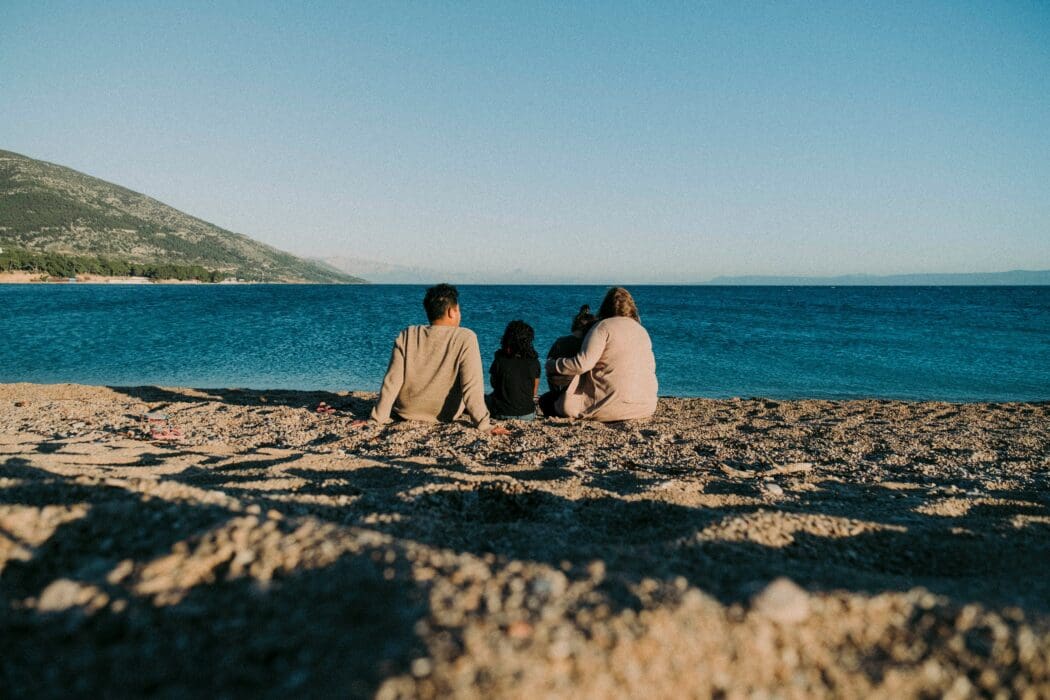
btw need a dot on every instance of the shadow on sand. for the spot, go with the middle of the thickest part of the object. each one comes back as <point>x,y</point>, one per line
<point>343,627</point>
<point>357,407</point>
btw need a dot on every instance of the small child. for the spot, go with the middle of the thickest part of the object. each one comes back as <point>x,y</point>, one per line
<point>569,345</point>
<point>515,375</point>
<point>566,346</point>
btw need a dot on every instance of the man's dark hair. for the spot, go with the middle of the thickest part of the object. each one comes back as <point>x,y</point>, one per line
<point>439,299</point>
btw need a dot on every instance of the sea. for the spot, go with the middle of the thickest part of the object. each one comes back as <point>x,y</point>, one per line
<point>914,343</point>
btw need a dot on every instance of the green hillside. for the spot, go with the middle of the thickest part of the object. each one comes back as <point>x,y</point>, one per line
<point>50,209</point>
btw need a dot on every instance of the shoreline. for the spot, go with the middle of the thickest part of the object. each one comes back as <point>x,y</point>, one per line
<point>36,278</point>
<point>732,546</point>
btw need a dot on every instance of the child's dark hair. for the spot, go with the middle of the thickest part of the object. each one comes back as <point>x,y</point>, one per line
<point>584,319</point>
<point>517,340</point>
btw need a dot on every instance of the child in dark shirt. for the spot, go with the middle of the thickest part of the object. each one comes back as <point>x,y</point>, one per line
<point>515,375</point>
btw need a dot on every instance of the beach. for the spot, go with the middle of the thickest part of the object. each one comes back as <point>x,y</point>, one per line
<point>732,547</point>
<point>20,277</point>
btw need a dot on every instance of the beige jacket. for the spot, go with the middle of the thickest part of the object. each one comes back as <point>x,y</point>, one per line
<point>615,373</point>
<point>434,373</point>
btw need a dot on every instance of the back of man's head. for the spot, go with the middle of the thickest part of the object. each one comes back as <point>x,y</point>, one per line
<point>439,299</point>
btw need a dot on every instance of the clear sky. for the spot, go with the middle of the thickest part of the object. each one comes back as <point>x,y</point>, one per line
<point>597,141</point>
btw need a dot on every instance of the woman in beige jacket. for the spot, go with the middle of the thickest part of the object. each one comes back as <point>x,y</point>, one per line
<point>614,374</point>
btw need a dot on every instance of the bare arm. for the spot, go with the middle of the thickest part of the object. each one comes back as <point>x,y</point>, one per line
<point>395,377</point>
<point>586,359</point>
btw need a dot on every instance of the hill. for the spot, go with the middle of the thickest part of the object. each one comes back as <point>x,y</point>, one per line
<point>50,209</point>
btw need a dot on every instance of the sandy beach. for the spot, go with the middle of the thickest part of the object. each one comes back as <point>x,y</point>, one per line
<point>733,548</point>
<point>38,278</point>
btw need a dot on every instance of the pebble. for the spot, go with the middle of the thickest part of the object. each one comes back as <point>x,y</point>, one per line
<point>120,572</point>
<point>519,630</point>
<point>422,667</point>
<point>596,570</point>
<point>559,649</point>
<point>59,595</point>
<point>63,594</point>
<point>782,601</point>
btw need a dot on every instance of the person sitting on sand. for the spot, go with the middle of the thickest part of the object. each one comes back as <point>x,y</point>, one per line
<point>614,374</point>
<point>565,346</point>
<point>435,370</point>
<point>515,375</point>
<point>569,346</point>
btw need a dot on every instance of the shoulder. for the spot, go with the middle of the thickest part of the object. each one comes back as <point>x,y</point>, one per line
<point>605,326</point>
<point>621,329</point>
<point>619,324</point>
<point>464,338</point>
<point>414,331</point>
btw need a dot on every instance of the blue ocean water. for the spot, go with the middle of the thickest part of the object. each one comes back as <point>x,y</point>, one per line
<point>948,343</point>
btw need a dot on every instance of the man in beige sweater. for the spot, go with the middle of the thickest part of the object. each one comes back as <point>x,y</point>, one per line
<point>435,371</point>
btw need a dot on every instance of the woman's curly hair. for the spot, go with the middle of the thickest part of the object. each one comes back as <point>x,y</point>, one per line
<point>517,340</point>
<point>618,302</point>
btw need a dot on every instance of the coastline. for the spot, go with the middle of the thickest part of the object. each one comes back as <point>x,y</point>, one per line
<point>569,558</point>
<point>36,278</point>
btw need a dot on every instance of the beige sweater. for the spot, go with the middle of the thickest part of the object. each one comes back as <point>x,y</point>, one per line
<point>615,373</point>
<point>434,372</point>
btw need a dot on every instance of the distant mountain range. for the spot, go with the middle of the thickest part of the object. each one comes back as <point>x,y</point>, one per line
<point>389,273</point>
<point>1013,277</point>
<point>386,273</point>
<point>380,272</point>
<point>47,208</point>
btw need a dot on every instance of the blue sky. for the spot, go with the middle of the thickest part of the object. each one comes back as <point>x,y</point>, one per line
<point>591,142</point>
